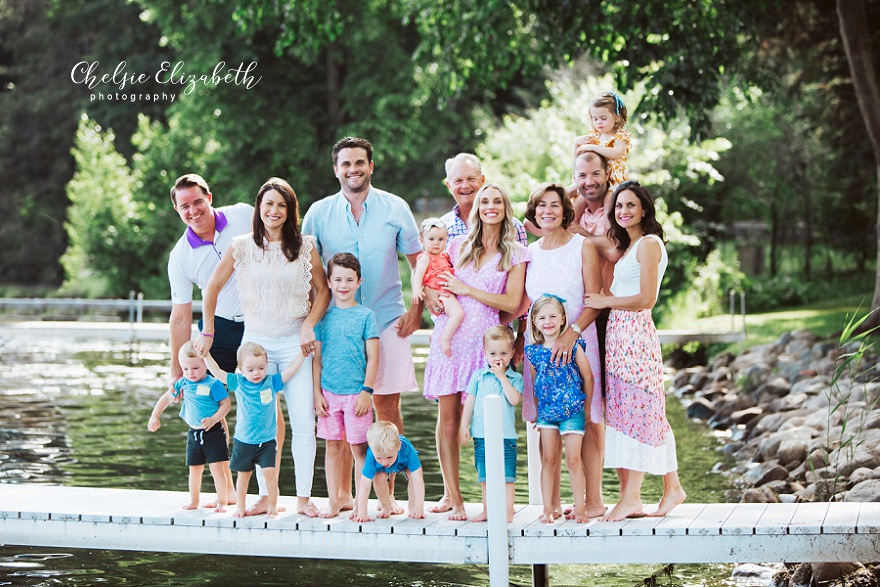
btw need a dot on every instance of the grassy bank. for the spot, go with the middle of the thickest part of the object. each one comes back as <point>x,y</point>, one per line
<point>825,318</point>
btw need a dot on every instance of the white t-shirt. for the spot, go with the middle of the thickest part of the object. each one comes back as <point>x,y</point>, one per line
<point>192,261</point>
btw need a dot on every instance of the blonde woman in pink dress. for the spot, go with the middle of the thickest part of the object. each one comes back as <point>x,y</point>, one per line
<point>490,268</point>
<point>638,438</point>
<point>567,265</point>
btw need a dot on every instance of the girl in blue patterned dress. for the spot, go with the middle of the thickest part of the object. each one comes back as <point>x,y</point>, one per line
<point>561,391</point>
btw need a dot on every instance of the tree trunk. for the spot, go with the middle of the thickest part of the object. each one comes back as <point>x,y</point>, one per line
<point>857,42</point>
<point>774,234</point>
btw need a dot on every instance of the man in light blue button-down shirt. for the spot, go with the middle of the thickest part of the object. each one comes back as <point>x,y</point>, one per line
<point>374,226</point>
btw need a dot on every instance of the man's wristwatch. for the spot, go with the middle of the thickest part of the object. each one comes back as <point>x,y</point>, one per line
<point>576,328</point>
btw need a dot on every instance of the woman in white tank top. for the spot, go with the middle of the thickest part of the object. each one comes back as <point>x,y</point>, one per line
<point>638,438</point>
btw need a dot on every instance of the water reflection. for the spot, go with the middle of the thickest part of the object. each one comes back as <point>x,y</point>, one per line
<point>75,413</point>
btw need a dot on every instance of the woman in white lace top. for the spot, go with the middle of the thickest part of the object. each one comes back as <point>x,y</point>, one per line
<point>277,268</point>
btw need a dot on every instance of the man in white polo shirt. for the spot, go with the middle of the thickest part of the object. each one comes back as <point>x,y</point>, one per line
<point>192,261</point>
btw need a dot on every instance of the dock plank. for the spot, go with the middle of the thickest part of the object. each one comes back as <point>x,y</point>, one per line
<point>842,518</point>
<point>711,519</point>
<point>808,518</point>
<point>676,523</point>
<point>744,518</point>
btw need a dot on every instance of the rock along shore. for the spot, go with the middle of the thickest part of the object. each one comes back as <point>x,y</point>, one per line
<point>804,426</point>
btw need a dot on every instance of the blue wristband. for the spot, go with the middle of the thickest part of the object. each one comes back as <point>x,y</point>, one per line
<point>368,389</point>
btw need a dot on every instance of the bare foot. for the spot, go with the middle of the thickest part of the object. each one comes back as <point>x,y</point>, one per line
<point>596,512</point>
<point>481,517</point>
<point>346,504</point>
<point>669,502</point>
<point>548,517</point>
<point>458,514</point>
<point>261,506</point>
<point>239,513</point>
<point>623,510</point>
<point>191,506</point>
<point>393,510</point>
<point>446,345</point>
<point>331,512</point>
<point>272,511</point>
<point>308,509</point>
<point>444,505</point>
<point>220,508</point>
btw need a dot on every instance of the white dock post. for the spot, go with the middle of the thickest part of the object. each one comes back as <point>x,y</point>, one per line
<point>533,453</point>
<point>496,496</point>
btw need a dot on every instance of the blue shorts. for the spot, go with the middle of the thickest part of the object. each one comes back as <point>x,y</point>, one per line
<point>509,459</point>
<point>574,425</point>
<point>245,456</point>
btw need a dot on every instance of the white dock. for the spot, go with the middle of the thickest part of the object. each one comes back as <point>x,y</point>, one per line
<point>123,519</point>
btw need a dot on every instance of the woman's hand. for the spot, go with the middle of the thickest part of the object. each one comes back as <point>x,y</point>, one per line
<point>597,301</point>
<point>203,344</point>
<point>307,339</point>
<point>561,351</point>
<point>454,284</point>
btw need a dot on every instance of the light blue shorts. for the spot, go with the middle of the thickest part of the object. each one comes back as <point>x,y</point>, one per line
<point>509,459</point>
<point>574,425</point>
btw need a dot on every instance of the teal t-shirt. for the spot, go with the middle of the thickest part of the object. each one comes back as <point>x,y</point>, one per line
<point>200,398</point>
<point>483,382</point>
<point>343,333</point>
<point>255,420</point>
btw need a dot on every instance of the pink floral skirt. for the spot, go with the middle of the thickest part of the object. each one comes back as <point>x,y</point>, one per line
<point>638,436</point>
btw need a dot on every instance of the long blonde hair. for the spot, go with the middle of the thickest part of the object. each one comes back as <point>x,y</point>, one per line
<point>473,247</point>
<point>535,334</point>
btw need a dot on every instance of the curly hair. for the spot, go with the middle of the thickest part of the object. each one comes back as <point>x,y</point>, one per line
<point>535,199</point>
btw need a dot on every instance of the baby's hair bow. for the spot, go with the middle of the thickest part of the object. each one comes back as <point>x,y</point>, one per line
<point>618,103</point>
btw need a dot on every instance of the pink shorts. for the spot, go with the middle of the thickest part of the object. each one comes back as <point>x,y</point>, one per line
<point>341,423</point>
<point>397,372</point>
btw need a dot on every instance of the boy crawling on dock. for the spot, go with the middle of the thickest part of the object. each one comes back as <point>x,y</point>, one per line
<point>205,403</point>
<point>256,425</point>
<point>389,452</point>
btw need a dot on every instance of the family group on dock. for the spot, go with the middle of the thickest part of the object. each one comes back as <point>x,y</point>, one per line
<point>316,311</point>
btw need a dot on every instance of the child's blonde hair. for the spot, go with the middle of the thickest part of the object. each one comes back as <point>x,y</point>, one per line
<point>614,103</point>
<point>249,349</point>
<point>429,223</point>
<point>188,351</point>
<point>383,438</point>
<point>500,332</point>
<point>539,304</point>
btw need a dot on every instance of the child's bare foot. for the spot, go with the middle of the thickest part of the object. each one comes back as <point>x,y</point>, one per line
<point>444,505</point>
<point>458,514</point>
<point>346,504</point>
<point>193,505</point>
<point>272,511</point>
<point>668,503</point>
<point>623,510</point>
<point>393,510</point>
<point>549,517</point>
<point>239,513</point>
<point>446,345</point>
<point>481,517</point>
<point>213,504</point>
<point>308,509</point>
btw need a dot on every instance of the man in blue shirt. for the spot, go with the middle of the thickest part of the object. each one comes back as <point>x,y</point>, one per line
<point>374,226</point>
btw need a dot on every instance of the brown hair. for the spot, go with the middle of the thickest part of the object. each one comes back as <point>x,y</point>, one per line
<point>353,143</point>
<point>188,181</point>
<point>345,260</point>
<point>614,103</point>
<point>535,199</point>
<point>291,238</point>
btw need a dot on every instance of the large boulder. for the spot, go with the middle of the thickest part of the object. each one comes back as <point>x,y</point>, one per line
<point>865,491</point>
<point>700,409</point>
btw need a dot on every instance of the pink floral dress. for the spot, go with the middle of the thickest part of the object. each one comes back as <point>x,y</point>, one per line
<point>444,374</point>
<point>637,435</point>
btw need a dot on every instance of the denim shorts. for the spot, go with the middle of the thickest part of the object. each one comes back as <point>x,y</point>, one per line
<point>574,425</point>
<point>509,459</point>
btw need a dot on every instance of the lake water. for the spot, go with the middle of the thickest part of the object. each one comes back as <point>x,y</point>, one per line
<point>74,412</point>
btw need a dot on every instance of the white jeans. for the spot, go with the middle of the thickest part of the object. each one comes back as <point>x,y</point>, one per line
<point>300,399</point>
